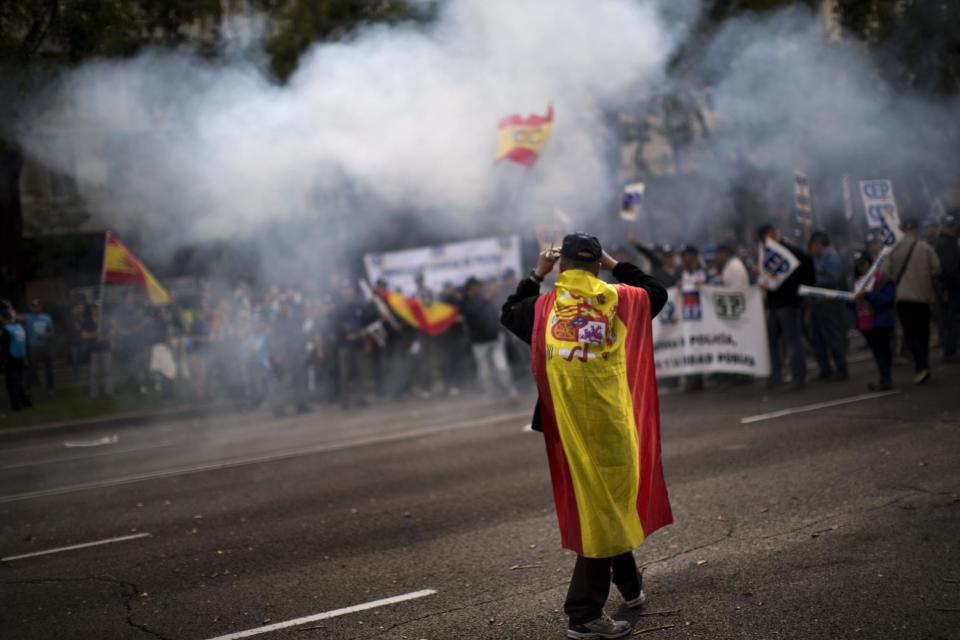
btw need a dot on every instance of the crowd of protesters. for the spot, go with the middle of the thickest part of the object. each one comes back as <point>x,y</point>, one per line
<point>287,350</point>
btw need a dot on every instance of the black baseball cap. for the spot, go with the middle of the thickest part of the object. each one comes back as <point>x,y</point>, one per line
<point>581,246</point>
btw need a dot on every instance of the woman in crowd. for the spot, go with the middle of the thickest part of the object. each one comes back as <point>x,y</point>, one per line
<point>874,308</point>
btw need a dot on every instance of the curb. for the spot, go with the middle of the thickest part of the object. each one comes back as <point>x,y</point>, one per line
<point>115,421</point>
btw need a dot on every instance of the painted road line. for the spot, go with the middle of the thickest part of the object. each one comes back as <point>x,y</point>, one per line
<point>269,457</point>
<point>87,456</point>
<point>82,545</point>
<point>326,615</point>
<point>814,407</point>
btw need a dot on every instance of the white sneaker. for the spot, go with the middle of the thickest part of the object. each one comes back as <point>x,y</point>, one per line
<point>602,627</point>
<point>636,602</point>
<point>921,377</point>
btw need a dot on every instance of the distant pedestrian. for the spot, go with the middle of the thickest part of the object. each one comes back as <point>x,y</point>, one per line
<point>948,252</point>
<point>828,317</point>
<point>784,318</point>
<point>874,311</point>
<point>13,357</point>
<point>914,266</point>
<point>97,342</point>
<point>593,363</point>
<point>482,320</point>
<point>731,272</point>
<point>39,327</point>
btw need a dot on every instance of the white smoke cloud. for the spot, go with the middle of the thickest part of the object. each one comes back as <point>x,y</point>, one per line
<point>404,115</point>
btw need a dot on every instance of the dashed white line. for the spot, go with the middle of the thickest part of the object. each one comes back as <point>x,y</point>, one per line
<point>814,407</point>
<point>82,545</point>
<point>326,615</point>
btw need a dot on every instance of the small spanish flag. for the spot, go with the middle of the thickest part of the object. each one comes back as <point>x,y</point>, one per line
<point>120,266</point>
<point>432,318</point>
<point>522,139</point>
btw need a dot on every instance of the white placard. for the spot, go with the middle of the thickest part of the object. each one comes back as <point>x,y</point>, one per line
<point>881,209</point>
<point>711,330</point>
<point>441,264</point>
<point>776,262</point>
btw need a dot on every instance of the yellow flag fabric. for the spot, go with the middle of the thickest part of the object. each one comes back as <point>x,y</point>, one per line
<point>120,266</point>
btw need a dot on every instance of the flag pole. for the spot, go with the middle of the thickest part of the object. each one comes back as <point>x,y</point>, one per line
<point>103,278</point>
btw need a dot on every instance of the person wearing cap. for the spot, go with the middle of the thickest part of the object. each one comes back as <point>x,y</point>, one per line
<point>39,327</point>
<point>482,320</point>
<point>914,266</point>
<point>948,252</point>
<point>662,258</point>
<point>592,346</point>
<point>873,306</point>
<point>828,318</point>
<point>13,357</point>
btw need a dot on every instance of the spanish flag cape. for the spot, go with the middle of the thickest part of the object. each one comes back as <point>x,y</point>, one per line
<point>593,364</point>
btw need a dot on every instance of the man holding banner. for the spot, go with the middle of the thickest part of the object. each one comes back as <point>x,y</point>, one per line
<point>784,268</point>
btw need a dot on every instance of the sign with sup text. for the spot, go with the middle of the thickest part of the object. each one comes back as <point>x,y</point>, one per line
<point>881,208</point>
<point>711,330</point>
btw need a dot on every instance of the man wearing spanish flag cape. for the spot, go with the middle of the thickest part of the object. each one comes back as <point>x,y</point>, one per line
<point>592,351</point>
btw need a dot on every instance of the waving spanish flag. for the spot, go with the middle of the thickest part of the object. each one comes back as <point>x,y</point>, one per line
<point>593,365</point>
<point>120,266</point>
<point>522,139</point>
<point>430,318</point>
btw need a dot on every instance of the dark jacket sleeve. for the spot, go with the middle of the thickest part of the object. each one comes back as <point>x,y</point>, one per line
<point>633,276</point>
<point>518,312</point>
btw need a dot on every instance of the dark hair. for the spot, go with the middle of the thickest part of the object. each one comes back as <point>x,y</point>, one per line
<point>763,230</point>
<point>570,263</point>
<point>820,236</point>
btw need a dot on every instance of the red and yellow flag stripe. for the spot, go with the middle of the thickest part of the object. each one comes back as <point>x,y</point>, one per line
<point>431,319</point>
<point>120,266</point>
<point>522,139</point>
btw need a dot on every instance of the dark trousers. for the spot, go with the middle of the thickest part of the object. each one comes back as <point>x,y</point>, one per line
<point>915,320</point>
<point>951,323</point>
<point>40,357</point>
<point>590,585</point>
<point>829,335</point>
<point>13,376</point>
<point>785,323</point>
<point>880,342</point>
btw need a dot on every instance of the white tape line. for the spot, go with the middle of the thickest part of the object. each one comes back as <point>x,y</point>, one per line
<point>270,457</point>
<point>326,615</point>
<point>813,407</point>
<point>82,545</point>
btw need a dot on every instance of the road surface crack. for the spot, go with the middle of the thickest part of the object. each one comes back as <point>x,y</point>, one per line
<point>131,593</point>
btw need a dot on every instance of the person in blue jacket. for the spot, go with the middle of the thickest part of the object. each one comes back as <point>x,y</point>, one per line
<point>874,305</point>
<point>13,357</point>
<point>39,326</point>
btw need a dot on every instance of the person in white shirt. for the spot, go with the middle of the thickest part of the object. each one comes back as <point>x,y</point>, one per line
<point>732,272</point>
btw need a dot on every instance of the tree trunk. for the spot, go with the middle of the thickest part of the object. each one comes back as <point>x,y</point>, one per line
<point>11,224</point>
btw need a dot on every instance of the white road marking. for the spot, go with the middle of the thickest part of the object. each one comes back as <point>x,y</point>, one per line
<point>326,615</point>
<point>813,407</point>
<point>82,545</point>
<point>99,442</point>
<point>98,454</point>
<point>269,457</point>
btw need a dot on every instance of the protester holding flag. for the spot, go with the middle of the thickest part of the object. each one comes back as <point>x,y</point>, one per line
<point>873,304</point>
<point>913,265</point>
<point>784,268</point>
<point>592,349</point>
<point>828,316</point>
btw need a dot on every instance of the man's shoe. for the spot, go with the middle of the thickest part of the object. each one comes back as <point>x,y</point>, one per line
<point>602,627</point>
<point>636,602</point>
<point>921,377</point>
<point>880,385</point>
<point>824,377</point>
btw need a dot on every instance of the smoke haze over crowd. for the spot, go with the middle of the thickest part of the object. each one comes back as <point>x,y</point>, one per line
<point>403,117</point>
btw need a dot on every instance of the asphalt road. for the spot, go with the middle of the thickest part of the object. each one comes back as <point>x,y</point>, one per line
<point>839,522</point>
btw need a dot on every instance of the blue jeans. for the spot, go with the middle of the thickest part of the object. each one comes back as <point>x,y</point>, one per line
<point>784,324</point>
